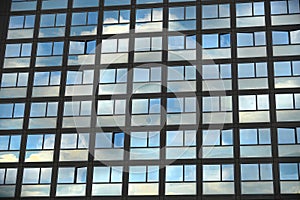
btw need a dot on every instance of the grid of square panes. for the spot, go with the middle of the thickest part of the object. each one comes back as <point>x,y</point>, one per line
<point>239,51</point>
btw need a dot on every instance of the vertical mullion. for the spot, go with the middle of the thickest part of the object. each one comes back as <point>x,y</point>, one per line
<point>199,110</point>
<point>235,97</point>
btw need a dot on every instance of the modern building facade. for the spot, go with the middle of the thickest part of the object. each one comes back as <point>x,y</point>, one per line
<point>150,99</point>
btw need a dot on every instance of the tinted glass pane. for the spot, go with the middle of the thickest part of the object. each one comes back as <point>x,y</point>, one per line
<point>243,9</point>
<point>210,41</point>
<point>86,3</point>
<point>280,37</point>
<point>245,39</point>
<point>249,172</point>
<point>174,173</point>
<point>286,135</point>
<point>278,7</point>
<point>289,171</point>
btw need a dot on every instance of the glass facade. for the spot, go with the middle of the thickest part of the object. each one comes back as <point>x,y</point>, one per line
<point>150,99</point>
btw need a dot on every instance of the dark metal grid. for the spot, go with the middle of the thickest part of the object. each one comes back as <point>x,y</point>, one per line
<point>234,92</point>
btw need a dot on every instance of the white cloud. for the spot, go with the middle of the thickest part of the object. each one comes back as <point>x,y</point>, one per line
<point>39,156</point>
<point>143,189</point>
<point>91,32</point>
<point>116,29</point>
<point>9,157</point>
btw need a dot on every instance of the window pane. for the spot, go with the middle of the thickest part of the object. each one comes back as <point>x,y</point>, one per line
<point>154,138</point>
<point>227,137</point>
<point>249,172</point>
<point>79,18</point>
<point>153,173</point>
<point>9,80</point>
<point>174,105</point>
<point>245,39</point>
<point>278,7</point>
<point>261,70</point>
<point>137,174</point>
<point>60,19</point>
<point>66,175</point>
<point>190,173</point>
<point>175,42</point>
<point>107,76</point>
<point>211,137</point>
<point>260,38</point>
<point>15,142</point>
<point>210,72</point>
<point>86,3</point>
<point>210,104</point>
<point>76,47</point>
<point>41,78</point>
<point>138,139</point>
<point>11,175</point>
<point>248,136</point>
<point>12,50</point>
<point>81,175</point>
<point>211,173</point>
<point>284,101</point>
<point>296,68</point>
<point>176,13</point>
<point>244,9</point>
<point>26,49</point>
<point>286,136</point>
<point>175,73</point>
<point>120,106</point>
<point>174,138</point>
<point>45,175</point>
<point>101,174</point>
<point>227,173</point>
<point>174,173</point>
<point>105,107</point>
<point>116,2</point>
<point>68,141</point>
<point>262,102</point>
<point>246,70</point>
<point>38,109</point>
<point>280,37</point>
<point>264,136</point>
<point>225,71</point>
<point>139,106</point>
<point>19,110</point>
<point>225,40</point>
<point>190,12</point>
<point>295,37</point>
<point>282,68</point>
<point>154,106</point>
<point>119,140</point>
<point>34,142</point>
<point>266,172</point>
<point>294,6</point>
<point>289,171</point>
<point>31,175</point>
<point>4,141</point>
<point>16,21</point>
<point>44,49</point>
<point>140,75</point>
<point>247,102</point>
<point>47,20</point>
<point>103,140</point>
<point>210,41</point>
<point>259,8</point>
<point>209,11</point>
